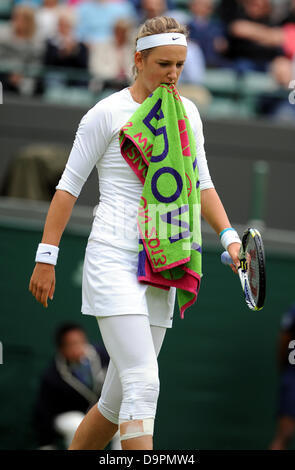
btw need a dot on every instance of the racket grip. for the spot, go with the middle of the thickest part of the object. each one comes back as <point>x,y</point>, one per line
<point>226,258</point>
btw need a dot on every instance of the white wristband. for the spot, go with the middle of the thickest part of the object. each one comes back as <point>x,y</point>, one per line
<point>229,236</point>
<point>47,253</point>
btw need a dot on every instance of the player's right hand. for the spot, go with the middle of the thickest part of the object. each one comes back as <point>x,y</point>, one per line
<point>42,283</point>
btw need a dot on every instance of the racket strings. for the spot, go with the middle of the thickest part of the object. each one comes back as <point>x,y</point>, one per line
<point>253,268</point>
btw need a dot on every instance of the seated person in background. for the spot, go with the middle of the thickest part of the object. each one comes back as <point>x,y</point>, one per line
<point>110,62</point>
<point>208,32</point>
<point>279,105</point>
<point>228,10</point>
<point>247,53</point>
<point>47,17</point>
<point>286,396</point>
<point>20,48</point>
<point>194,67</point>
<point>96,18</point>
<point>281,37</point>
<point>289,17</point>
<point>69,386</point>
<point>150,8</point>
<point>63,50</point>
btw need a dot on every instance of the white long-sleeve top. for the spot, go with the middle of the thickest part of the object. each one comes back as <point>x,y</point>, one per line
<point>97,143</point>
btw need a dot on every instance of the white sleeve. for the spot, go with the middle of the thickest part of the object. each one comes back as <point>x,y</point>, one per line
<point>91,141</point>
<point>197,127</point>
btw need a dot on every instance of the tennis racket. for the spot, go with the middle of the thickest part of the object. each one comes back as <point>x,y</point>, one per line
<point>252,268</point>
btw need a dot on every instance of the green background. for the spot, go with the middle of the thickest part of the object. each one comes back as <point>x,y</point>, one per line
<point>218,370</point>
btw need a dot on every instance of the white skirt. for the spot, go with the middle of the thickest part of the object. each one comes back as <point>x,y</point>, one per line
<point>110,286</point>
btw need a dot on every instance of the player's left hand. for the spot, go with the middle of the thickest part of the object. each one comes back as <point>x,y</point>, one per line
<point>234,249</point>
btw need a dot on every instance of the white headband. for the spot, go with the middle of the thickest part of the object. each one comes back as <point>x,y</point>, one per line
<point>165,39</point>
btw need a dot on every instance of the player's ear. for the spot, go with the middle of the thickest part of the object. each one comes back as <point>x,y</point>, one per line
<point>138,60</point>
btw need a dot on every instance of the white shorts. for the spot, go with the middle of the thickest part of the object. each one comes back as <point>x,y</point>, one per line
<point>110,286</point>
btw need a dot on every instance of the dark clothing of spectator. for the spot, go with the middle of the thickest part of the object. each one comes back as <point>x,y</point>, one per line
<point>57,56</point>
<point>65,387</point>
<point>249,55</point>
<point>205,33</point>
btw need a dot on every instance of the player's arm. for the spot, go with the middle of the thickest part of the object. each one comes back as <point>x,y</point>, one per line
<point>92,138</point>
<point>214,213</point>
<point>42,283</point>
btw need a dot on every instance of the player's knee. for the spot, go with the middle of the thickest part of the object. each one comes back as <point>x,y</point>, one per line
<point>140,388</point>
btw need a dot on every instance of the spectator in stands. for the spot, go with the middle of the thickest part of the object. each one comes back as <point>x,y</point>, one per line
<point>289,17</point>
<point>228,10</point>
<point>282,38</point>
<point>47,17</point>
<point>278,105</point>
<point>208,32</point>
<point>110,62</point>
<point>148,9</point>
<point>63,50</point>
<point>281,69</point>
<point>194,67</point>
<point>286,393</point>
<point>71,383</point>
<point>21,48</point>
<point>34,3</point>
<point>96,18</point>
<point>6,9</point>
<point>74,2</point>
<point>249,54</point>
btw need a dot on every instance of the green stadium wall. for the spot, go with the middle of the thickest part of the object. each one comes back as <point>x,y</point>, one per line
<point>218,369</point>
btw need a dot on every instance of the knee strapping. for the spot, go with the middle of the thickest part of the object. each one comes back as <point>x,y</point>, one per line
<point>136,428</point>
<point>140,393</point>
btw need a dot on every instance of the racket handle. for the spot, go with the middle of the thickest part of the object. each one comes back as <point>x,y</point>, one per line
<point>226,258</point>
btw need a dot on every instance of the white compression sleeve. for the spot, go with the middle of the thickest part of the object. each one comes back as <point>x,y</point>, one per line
<point>91,141</point>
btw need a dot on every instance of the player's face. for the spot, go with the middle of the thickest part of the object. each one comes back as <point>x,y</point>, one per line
<point>163,64</point>
<point>74,345</point>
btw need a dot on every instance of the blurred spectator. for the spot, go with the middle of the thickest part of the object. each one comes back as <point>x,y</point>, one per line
<point>289,16</point>
<point>21,49</point>
<point>111,62</point>
<point>194,67</point>
<point>69,386</point>
<point>47,17</point>
<point>275,106</point>
<point>33,3</point>
<point>63,50</point>
<point>249,54</point>
<point>283,38</point>
<point>286,393</point>
<point>151,8</point>
<point>228,10</point>
<point>278,105</point>
<point>192,77</point>
<point>208,32</point>
<point>96,18</point>
<point>5,9</point>
<point>74,2</point>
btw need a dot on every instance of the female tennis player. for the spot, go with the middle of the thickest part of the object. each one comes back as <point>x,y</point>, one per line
<point>132,316</point>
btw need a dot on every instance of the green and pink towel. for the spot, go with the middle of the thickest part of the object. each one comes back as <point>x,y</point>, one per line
<point>159,145</point>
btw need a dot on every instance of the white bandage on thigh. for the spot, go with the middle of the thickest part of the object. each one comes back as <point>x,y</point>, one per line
<point>136,428</point>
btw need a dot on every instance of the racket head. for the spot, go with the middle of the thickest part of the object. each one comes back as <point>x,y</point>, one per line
<point>252,259</point>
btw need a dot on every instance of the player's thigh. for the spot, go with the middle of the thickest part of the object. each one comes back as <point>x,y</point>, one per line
<point>128,340</point>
